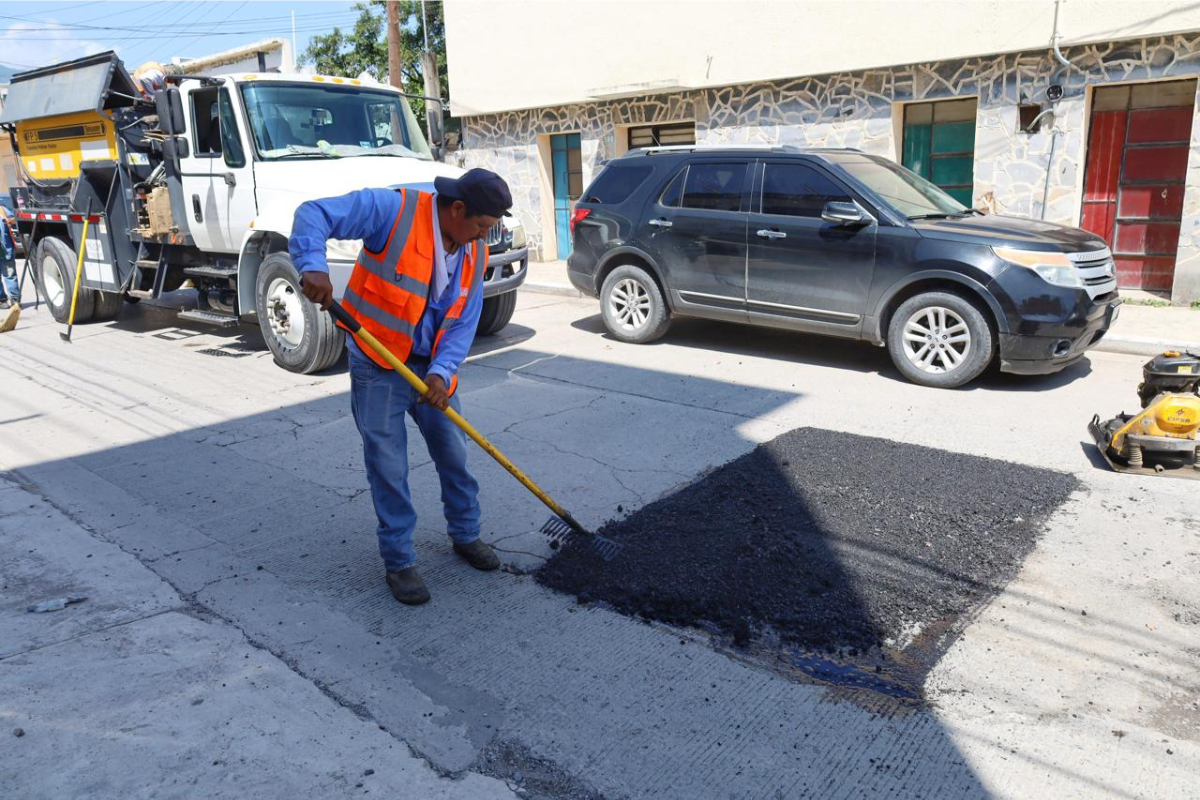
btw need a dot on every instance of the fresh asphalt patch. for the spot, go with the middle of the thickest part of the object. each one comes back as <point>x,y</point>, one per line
<point>847,559</point>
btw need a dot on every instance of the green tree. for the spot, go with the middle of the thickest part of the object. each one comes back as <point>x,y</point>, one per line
<point>364,49</point>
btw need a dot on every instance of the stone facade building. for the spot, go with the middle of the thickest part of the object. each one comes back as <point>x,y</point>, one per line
<point>1111,147</point>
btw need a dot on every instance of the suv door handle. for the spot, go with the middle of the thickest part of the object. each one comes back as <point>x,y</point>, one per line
<point>661,223</point>
<point>767,233</point>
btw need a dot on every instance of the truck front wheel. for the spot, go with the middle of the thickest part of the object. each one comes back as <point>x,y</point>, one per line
<point>56,278</point>
<point>497,312</point>
<point>301,337</point>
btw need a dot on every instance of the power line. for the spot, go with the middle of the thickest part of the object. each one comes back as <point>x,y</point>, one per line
<point>259,31</point>
<point>145,28</point>
<point>185,45</point>
<point>163,46</point>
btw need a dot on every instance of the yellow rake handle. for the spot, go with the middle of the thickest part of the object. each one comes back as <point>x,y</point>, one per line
<point>79,269</point>
<point>352,324</point>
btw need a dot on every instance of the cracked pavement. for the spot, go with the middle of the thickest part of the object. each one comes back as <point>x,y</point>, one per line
<point>215,512</point>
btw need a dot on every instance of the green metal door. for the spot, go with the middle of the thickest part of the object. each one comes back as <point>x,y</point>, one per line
<point>939,145</point>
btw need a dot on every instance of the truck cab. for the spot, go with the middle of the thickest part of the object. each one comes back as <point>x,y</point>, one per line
<point>200,181</point>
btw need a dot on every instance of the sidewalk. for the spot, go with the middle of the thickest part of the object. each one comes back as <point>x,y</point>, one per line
<point>1139,330</point>
<point>135,692</point>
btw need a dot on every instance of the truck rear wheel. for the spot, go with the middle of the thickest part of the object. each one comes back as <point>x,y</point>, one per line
<point>108,306</point>
<point>301,337</point>
<point>497,312</point>
<point>55,275</point>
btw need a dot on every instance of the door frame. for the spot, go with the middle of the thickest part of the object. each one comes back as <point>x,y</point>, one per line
<point>1190,192</point>
<point>549,244</point>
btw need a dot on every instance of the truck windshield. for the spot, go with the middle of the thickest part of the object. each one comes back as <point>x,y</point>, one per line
<point>902,189</point>
<point>305,120</point>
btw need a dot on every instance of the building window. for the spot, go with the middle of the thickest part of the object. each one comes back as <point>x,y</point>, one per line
<point>662,135</point>
<point>1138,146</point>
<point>939,144</point>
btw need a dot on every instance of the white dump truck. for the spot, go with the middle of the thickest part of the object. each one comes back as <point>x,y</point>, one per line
<point>198,182</point>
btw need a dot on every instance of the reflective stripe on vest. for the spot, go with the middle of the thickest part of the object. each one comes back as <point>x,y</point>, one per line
<point>389,290</point>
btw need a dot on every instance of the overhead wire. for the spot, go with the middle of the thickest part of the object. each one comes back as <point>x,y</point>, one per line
<point>186,44</point>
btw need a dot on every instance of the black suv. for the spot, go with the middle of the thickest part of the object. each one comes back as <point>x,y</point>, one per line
<point>841,243</point>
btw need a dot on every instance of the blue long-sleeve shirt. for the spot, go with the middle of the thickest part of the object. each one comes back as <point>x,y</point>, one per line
<point>368,214</point>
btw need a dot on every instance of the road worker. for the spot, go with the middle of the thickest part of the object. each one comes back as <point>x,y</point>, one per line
<point>417,286</point>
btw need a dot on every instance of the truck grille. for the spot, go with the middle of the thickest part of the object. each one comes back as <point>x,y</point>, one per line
<point>1097,270</point>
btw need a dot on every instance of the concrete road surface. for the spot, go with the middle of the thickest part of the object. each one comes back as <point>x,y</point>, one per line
<point>239,638</point>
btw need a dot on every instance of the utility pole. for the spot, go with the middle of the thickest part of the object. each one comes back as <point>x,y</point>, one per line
<point>433,87</point>
<point>295,54</point>
<point>393,39</point>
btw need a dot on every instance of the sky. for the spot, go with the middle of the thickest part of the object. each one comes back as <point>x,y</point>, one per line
<point>38,33</point>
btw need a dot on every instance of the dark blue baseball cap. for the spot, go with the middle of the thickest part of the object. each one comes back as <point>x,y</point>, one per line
<point>481,189</point>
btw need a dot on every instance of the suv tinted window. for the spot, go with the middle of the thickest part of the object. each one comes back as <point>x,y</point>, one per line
<point>616,183</point>
<point>674,191</point>
<point>796,190</point>
<point>716,187</point>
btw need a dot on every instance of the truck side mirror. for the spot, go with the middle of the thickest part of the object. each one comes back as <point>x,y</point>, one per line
<point>169,105</point>
<point>175,149</point>
<point>175,103</point>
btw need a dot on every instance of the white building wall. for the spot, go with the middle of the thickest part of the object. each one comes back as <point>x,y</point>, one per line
<point>863,109</point>
<point>571,52</point>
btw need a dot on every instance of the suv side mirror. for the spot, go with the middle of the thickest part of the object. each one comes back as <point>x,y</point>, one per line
<point>848,214</point>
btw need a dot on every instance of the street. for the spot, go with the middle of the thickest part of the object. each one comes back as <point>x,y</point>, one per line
<point>238,637</point>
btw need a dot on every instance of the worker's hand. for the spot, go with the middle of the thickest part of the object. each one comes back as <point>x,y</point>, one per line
<point>437,396</point>
<point>316,287</point>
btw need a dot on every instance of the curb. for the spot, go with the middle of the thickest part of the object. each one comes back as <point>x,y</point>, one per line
<point>560,289</point>
<point>1141,345</point>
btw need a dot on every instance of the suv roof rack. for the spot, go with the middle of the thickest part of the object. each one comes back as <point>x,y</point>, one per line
<point>686,148</point>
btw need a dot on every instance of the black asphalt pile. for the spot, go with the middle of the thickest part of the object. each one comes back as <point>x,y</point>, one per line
<point>850,555</point>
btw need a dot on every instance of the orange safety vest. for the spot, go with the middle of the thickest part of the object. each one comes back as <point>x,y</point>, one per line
<point>388,291</point>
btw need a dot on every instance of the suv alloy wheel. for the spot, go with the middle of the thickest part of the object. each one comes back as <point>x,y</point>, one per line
<point>940,339</point>
<point>632,305</point>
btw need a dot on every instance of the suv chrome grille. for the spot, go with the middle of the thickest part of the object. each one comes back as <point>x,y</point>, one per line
<point>495,235</point>
<point>1097,270</point>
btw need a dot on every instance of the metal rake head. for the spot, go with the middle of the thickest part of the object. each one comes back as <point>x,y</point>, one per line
<point>558,530</point>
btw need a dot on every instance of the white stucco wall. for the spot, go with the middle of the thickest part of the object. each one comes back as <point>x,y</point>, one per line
<point>570,52</point>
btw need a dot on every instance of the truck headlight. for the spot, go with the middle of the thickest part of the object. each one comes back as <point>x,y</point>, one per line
<point>518,233</point>
<point>1054,268</point>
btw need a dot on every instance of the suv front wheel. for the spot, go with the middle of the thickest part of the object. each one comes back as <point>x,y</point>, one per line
<point>940,339</point>
<point>632,305</point>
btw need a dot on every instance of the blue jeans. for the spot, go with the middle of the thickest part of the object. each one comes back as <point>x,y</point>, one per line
<point>11,286</point>
<point>380,400</point>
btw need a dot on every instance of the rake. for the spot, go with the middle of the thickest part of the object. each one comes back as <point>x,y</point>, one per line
<point>559,528</point>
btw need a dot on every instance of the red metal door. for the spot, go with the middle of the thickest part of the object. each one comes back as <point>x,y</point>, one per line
<point>1133,186</point>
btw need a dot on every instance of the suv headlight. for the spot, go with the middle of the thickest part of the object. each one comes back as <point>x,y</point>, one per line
<point>518,232</point>
<point>1054,268</point>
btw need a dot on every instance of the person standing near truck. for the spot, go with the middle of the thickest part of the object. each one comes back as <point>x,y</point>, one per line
<point>8,270</point>
<point>417,286</point>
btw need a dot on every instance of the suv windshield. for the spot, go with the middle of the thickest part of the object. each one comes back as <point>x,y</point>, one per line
<point>902,189</point>
<point>304,120</point>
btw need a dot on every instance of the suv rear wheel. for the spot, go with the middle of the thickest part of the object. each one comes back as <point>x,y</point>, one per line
<point>940,339</point>
<point>632,306</point>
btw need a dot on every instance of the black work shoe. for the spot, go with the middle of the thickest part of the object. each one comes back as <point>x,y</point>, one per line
<point>407,586</point>
<point>479,554</point>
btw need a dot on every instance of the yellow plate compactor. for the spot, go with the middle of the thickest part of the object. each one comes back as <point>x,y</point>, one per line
<point>1161,439</point>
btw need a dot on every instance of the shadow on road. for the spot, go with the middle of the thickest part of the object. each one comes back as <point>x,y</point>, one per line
<point>249,507</point>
